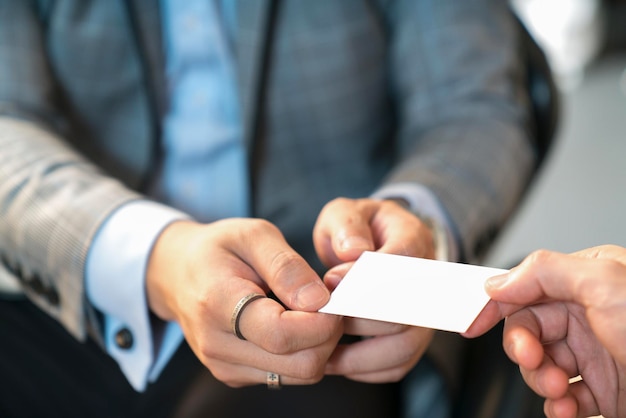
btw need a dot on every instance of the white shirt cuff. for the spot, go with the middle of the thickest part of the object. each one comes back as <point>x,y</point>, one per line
<point>115,285</point>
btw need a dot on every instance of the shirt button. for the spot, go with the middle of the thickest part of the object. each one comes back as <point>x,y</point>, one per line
<point>124,338</point>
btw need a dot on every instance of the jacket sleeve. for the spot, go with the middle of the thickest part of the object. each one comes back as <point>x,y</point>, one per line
<point>464,121</point>
<point>52,199</point>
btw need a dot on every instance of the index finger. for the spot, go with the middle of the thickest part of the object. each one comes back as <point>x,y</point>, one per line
<point>284,271</point>
<point>587,277</point>
<point>549,275</point>
<point>491,314</point>
<point>268,325</point>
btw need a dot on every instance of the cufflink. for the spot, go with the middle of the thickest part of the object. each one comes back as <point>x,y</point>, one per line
<point>124,338</point>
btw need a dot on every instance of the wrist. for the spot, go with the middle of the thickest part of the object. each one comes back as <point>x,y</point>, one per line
<point>164,269</point>
<point>437,230</point>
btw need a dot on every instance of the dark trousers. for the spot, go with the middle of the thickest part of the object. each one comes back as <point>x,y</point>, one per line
<point>45,372</point>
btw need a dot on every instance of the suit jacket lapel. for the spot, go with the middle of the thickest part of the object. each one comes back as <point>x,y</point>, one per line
<point>252,44</point>
<point>254,25</point>
<point>145,19</point>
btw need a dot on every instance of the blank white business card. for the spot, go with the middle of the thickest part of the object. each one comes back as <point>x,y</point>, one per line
<point>413,291</point>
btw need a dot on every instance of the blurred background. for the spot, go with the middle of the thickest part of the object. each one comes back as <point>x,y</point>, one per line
<point>579,198</point>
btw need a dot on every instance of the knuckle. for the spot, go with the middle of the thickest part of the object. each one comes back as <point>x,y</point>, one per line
<point>220,374</point>
<point>258,226</point>
<point>538,256</point>
<point>287,269</point>
<point>276,343</point>
<point>535,260</point>
<point>351,366</point>
<point>283,260</point>
<point>207,352</point>
<point>310,367</point>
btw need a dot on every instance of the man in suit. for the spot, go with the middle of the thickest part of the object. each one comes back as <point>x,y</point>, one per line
<point>158,172</point>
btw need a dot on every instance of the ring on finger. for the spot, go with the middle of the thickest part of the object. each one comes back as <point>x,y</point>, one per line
<point>239,307</point>
<point>273,381</point>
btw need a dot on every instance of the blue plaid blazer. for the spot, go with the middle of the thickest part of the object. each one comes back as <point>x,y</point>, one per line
<point>339,98</point>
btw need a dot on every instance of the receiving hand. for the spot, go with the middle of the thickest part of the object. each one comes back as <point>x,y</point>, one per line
<point>346,228</point>
<point>566,318</point>
<point>198,273</point>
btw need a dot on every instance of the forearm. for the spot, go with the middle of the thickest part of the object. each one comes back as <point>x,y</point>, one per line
<point>479,182</point>
<point>464,112</point>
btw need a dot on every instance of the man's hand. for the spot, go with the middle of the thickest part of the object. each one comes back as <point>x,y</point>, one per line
<point>198,273</point>
<point>566,318</point>
<point>344,229</point>
<point>347,227</point>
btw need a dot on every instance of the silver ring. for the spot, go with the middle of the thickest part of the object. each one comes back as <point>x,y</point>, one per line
<point>234,318</point>
<point>273,381</point>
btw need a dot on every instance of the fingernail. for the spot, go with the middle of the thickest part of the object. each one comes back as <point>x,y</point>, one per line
<point>311,296</point>
<point>355,243</point>
<point>497,282</point>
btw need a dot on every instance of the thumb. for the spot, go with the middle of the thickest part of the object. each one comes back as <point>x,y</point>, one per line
<point>547,275</point>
